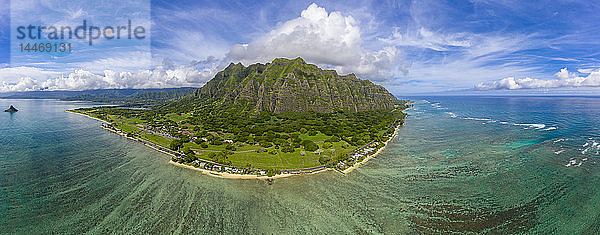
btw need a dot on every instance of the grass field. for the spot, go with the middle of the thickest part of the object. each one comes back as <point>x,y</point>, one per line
<point>247,155</point>
<point>177,117</point>
<point>127,128</point>
<point>159,140</point>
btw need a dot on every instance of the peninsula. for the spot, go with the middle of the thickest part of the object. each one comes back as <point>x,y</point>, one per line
<point>277,119</point>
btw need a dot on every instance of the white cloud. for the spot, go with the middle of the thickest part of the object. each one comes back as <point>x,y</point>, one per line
<point>587,70</point>
<point>329,39</point>
<point>160,77</point>
<point>564,79</point>
<point>14,74</point>
<point>24,84</point>
<point>424,38</point>
<point>131,61</point>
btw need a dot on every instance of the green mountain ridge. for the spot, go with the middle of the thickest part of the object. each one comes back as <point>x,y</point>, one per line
<point>147,97</point>
<point>286,85</point>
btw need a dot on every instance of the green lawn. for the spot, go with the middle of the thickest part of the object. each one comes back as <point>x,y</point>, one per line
<point>193,145</point>
<point>280,161</point>
<point>127,128</point>
<point>133,121</point>
<point>159,140</point>
<point>113,118</point>
<point>177,117</point>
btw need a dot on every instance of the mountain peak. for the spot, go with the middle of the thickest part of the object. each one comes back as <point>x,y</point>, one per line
<point>234,65</point>
<point>282,60</point>
<point>292,85</point>
<point>299,60</point>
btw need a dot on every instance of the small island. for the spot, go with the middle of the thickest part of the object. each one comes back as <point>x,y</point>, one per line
<point>12,109</point>
<point>269,120</point>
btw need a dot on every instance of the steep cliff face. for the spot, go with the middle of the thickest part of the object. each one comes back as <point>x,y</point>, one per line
<point>293,85</point>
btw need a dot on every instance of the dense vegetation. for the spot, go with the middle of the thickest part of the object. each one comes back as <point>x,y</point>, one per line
<point>353,127</point>
<point>220,132</point>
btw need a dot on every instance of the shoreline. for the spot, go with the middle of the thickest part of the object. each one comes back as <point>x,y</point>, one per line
<point>241,176</point>
<point>97,119</point>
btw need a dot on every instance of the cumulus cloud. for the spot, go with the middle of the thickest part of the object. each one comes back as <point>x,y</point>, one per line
<point>15,74</point>
<point>328,39</point>
<point>564,79</point>
<point>24,84</point>
<point>160,77</point>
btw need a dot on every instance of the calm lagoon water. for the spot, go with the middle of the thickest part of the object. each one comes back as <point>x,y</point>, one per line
<point>460,164</point>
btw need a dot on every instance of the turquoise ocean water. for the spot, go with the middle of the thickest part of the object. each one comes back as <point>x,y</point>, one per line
<point>460,164</point>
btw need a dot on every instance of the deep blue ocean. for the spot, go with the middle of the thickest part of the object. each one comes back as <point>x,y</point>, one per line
<point>467,164</point>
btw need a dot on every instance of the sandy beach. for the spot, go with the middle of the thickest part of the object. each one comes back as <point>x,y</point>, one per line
<point>97,119</point>
<point>229,175</point>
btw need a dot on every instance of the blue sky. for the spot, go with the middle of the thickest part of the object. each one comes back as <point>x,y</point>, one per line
<point>406,46</point>
<point>4,32</point>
